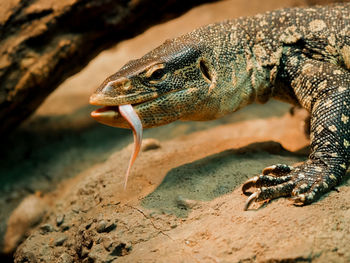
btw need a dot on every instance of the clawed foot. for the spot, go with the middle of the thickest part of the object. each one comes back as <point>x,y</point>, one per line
<point>304,183</point>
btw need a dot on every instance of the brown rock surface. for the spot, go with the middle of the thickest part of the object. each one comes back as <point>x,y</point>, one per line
<point>26,215</point>
<point>44,41</point>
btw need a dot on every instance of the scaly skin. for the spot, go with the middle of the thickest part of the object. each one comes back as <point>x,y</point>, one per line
<point>300,56</point>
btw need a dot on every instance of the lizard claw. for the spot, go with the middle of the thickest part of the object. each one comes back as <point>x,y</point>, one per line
<point>299,200</point>
<point>271,192</point>
<point>248,184</point>
<point>251,199</point>
<point>272,175</point>
<point>304,183</point>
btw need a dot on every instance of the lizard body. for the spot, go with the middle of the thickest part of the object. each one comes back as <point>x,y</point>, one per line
<point>297,55</point>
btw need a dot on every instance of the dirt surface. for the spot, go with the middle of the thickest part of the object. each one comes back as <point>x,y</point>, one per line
<point>62,176</point>
<point>184,204</point>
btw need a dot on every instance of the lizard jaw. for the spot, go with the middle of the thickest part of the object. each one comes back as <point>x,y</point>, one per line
<point>106,115</point>
<point>150,109</point>
<point>109,114</point>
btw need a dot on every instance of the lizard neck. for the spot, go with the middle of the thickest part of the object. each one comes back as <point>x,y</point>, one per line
<point>261,78</point>
<point>242,76</point>
<point>244,66</point>
<point>247,65</point>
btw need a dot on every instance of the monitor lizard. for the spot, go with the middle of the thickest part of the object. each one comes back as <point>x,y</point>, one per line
<point>297,55</point>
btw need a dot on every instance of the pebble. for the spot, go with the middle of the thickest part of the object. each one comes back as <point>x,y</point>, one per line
<point>150,144</point>
<point>84,252</point>
<point>104,226</point>
<point>88,224</point>
<point>46,228</point>
<point>186,203</point>
<point>101,226</point>
<point>119,249</point>
<point>59,219</point>
<point>64,227</point>
<point>65,258</point>
<point>60,240</point>
<point>107,244</point>
<point>76,209</point>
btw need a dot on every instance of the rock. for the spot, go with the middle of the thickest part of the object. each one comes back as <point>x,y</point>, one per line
<point>59,219</point>
<point>60,240</point>
<point>64,227</point>
<point>65,258</point>
<point>186,203</point>
<point>88,224</point>
<point>84,252</point>
<point>150,144</point>
<point>119,249</point>
<point>42,43</point>
<point>26,257</point>
<point>28,213</point>
<point>104,226</point>
<point>46,228</point>
<point>101,226</point>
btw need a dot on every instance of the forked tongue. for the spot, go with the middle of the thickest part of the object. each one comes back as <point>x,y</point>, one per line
<point>134,121</point>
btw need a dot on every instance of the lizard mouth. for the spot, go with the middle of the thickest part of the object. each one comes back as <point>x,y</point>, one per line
<point>153,109</point>
<point>105,111</point>
<point>106,115</point>
<point>109,113</point>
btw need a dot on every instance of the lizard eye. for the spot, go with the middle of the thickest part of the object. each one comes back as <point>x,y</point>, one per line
<point>157,74</point>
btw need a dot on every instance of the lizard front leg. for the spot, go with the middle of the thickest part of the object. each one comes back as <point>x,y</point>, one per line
<point>323,89</point>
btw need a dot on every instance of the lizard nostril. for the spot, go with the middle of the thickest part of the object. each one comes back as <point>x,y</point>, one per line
<point>109,87</point>
<point>112,86</point>
<point>127,85</point>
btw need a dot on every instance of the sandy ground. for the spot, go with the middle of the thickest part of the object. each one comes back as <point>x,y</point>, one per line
<point>184,204</point>
<point>63,173</point>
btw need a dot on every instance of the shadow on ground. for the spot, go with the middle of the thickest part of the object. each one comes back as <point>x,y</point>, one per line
<point>53,148</point>
<point>213,176</point>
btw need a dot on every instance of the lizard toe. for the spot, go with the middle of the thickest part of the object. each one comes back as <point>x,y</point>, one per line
<point>304,199</point>
<point>271,192</point>
<point>307,193</point>
<point>304,183</point>
<point>272,175</point>
<point>263,181</point>
<point>277,170</point>
<point>301,189</point>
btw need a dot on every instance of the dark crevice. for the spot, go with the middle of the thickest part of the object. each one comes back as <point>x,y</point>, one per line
<point>8,24</point>
<point>8,258</point>
<point>22,20</point>
<point>205,70</point>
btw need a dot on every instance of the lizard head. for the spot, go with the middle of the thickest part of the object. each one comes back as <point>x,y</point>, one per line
<point>169,83</point>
